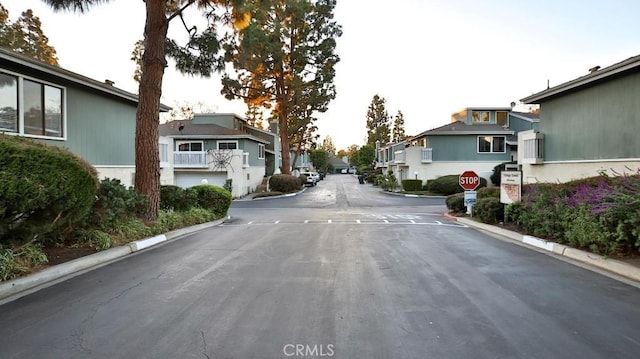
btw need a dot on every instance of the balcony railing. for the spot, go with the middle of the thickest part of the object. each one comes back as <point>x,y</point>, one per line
<point>190,159</point>
<point>427,155</point>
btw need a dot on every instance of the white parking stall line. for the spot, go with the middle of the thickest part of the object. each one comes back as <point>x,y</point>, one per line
<point>357,221</point>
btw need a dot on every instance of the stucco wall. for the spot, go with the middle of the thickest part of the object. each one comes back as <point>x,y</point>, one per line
<point>564,172</point>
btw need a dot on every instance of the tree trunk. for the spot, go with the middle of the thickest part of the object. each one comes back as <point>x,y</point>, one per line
<point>147,178</point>
<point>284,140</point>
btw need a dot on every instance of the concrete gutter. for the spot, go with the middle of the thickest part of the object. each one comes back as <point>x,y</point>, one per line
<point>613,266</point>
<point>20,287</point>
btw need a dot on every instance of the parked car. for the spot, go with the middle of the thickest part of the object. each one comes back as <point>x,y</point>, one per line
<point>317,176</point>
<point>311,179</point>
<point>344,171</point>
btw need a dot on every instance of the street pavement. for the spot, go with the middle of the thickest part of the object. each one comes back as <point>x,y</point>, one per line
<point>341,271</point>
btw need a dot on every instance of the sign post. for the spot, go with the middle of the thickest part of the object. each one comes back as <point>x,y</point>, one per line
<point>469,181</point>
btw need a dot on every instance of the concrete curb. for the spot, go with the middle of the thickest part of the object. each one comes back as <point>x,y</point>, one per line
<point>280,196</point>
<point>617,267</point>
<point>410,195</point>
<point>20,287</point>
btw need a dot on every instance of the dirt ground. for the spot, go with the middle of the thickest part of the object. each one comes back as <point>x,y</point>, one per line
<point>57,255</point>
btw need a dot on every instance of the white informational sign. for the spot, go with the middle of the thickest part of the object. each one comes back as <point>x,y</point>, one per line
<point>470,198</point>
<point>510,186</point>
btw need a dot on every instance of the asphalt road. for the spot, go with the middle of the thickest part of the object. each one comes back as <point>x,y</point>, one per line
<point>340,271</point>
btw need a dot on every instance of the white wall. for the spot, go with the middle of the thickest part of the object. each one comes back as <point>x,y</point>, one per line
<point>123,173</point>
<point>567,171</point>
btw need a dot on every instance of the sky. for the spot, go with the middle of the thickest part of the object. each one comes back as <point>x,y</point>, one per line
<point>426,58</point>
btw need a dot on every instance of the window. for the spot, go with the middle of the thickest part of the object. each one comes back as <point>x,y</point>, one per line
<point>245,159</point>
<point>164,152</point>
<point>480,116</point>
<point>260,151</point>
<point>501,118</point>
<point>184,146</point>
<point>41,113</point>
<point>491,144</point>
<point>533,150</point>
<point>8,103</point>
<point>227,145</point>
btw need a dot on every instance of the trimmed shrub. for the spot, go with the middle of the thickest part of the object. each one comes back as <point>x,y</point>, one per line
<point>45,190</point>
<point>372,178</point>
<point>447,185</point>
<point>284,183</point>
<point>455,203</point>
<point>211,197</point>
<point>412,184</point>
<point>115,202</point>
<point>489,210</point>
<point>513,212</point>
<point>175,198</point>
<point>387,182</point>
<point>488,192</point>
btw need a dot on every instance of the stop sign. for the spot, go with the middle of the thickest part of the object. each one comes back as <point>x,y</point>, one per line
<point>469,180</point>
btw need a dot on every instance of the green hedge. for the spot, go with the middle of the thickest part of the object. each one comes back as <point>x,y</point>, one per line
<point>489,210</point>
<point>449,184</point>
<point>175,198</point>
<point>212,197</point>
<point>45,190</point>
<point>455,203</point>
<point>284,183</point>
<point>488,192</point>
<point>114,203</point>
<point>412,185</point>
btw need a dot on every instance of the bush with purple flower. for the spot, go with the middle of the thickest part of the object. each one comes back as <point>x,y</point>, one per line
<point>601,214</point>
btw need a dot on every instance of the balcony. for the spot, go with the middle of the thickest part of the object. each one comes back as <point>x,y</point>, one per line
<point>399,157</point>
<point>190,159</point>
<point>427,155</point>
<point>533,148</point>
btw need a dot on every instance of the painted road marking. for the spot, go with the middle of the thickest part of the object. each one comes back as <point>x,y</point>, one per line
<point>357,221</point>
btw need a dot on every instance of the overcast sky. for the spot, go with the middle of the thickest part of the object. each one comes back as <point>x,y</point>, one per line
<point>427,58</point>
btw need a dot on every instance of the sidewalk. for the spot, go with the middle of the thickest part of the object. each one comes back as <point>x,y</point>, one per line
<point>628,270</point>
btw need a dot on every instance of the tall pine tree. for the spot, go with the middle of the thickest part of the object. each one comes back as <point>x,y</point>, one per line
<point>284,61</point>
<point>399,134</point>
<point>197,56</point>
<point>378,126</point>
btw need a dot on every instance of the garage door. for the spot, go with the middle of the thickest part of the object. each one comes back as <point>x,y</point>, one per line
<point>185,180</point>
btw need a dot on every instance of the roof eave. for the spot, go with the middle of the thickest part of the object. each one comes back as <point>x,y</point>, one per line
<point>624,66</point>
<point>73,77</point>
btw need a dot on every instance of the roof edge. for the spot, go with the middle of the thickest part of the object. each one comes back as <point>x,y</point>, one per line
<point>620,67</point>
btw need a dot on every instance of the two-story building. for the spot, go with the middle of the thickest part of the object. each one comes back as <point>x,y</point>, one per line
<point>476,139</point>
<point>93,119</point>
<point>587,125</point>
<point>215,148</point>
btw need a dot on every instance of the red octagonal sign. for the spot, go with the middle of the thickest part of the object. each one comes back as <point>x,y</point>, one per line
<point>469,180</point>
